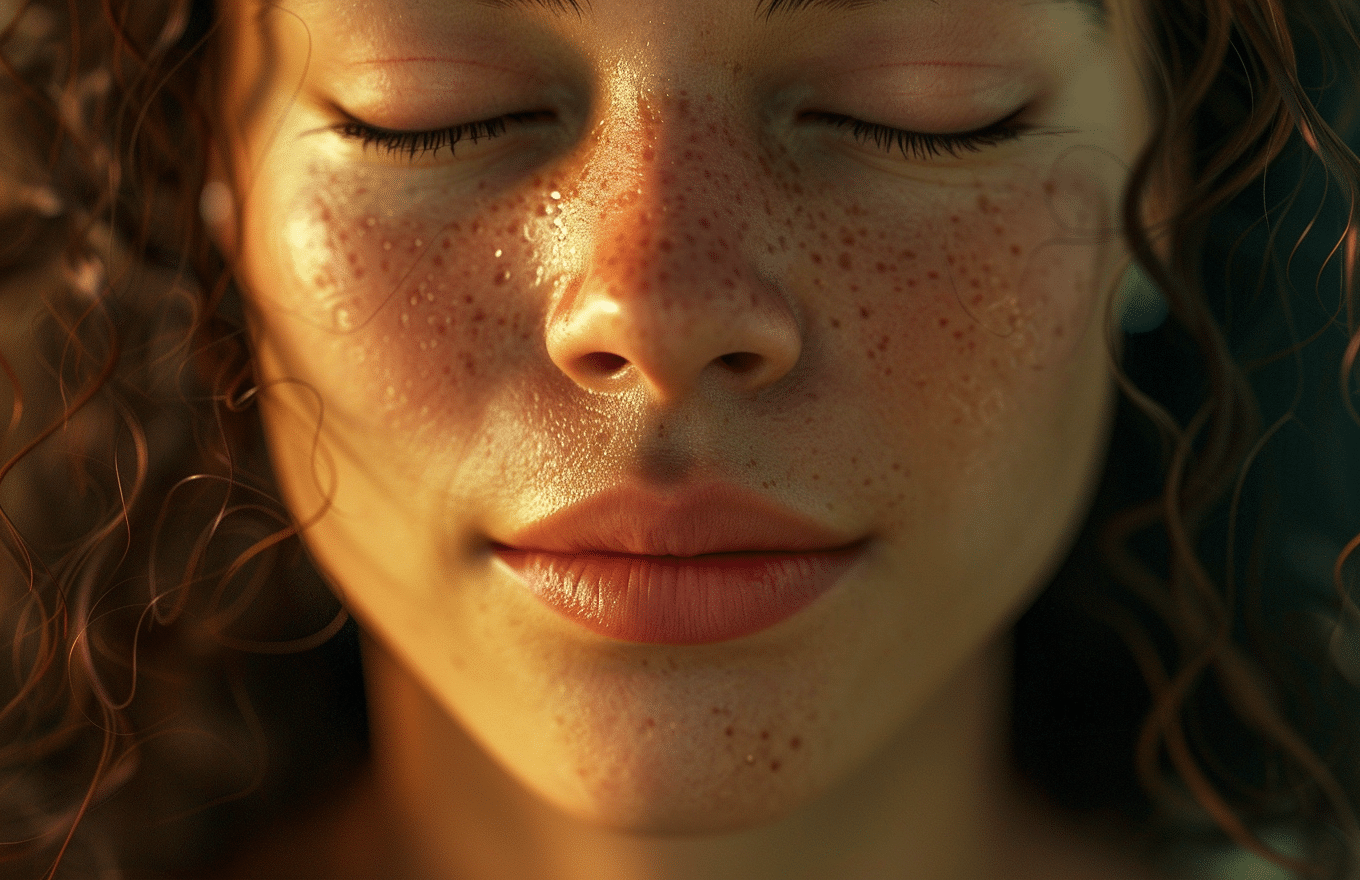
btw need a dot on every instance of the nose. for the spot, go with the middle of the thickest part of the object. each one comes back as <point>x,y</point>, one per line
<point>671,296</point>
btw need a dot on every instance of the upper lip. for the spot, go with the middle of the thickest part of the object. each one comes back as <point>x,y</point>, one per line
<point>716,518</point>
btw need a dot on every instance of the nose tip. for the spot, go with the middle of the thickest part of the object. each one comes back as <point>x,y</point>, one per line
<point>611,338</point>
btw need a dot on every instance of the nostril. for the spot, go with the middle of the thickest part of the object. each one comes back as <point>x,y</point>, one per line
<point>603,363</point>
<point>741,361</point>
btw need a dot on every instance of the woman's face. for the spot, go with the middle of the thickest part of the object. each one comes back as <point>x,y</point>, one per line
<point>686,276</point>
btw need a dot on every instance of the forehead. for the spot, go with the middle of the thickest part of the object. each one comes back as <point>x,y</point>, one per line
<point>1096,11</point>
<point>765,25</point>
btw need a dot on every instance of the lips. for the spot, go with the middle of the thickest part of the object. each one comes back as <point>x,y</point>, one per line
<point>706,565</point>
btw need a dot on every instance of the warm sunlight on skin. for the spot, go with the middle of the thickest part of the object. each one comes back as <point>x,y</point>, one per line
<point>677,265</point>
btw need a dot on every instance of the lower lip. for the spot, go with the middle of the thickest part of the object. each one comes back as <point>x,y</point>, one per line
<point>671,600</point>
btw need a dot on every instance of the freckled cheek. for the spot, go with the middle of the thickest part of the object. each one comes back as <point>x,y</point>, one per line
<point>964,312</point>
<point>420,312</point>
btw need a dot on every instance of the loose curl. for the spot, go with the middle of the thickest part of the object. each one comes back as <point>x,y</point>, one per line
<point>148,562</point>
<point>139,521</point>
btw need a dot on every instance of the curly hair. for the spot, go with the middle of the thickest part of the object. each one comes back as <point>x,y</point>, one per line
<point>172,644</point>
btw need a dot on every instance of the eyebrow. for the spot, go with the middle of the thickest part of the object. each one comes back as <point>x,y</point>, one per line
<point>1096,10</point>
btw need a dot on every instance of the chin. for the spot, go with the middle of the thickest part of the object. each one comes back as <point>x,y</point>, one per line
<point>682,784</point>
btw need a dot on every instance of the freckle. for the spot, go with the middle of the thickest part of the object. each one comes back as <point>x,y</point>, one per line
<point>728,731</point>
<point>816,476</point>
<point>863,312</point>
<point>911,282</point>
<point>795,743</point>
<point>954,218</point>
<point>384,265</point>
<point>977,298</point>
<point>447,244</point>
<point>958,334</point>
<point>438,260</point>
<point>933,275</point>
<point>845,260</point>
<point>944,322</point>
<point>816,257</point>
<point>359,272</point>
<point>882,268</point>
<point>502,276</point>
<point>764,734</point>
<point>1050,187</point>
<point>774,766</point>
<point>835,322</point>
<point>650,722</point>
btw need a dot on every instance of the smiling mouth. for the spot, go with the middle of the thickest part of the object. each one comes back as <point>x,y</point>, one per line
<point>710,564</point>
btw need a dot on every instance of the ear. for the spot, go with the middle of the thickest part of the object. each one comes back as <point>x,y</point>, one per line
<point>217,204</point>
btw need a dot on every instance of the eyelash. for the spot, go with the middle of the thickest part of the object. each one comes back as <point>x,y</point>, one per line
<point>925,146</point>
<point>418,143</point>
<point>909,143</point>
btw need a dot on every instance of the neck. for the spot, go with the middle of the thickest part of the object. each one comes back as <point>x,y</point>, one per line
<point>935,801</point>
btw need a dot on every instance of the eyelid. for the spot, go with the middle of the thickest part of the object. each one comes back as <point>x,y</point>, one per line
<point>420,142</point>
<point>926,145</point>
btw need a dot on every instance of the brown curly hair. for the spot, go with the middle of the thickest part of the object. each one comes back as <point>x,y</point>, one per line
<point>148,563</point>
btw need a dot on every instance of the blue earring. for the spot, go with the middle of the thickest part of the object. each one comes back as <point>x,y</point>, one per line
<point>1141,305</point>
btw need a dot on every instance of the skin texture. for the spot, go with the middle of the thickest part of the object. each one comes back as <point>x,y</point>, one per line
<point>679,274</point>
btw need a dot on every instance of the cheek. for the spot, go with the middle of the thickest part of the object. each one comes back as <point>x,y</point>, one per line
<point>414,308</point>
<point>967,307</point>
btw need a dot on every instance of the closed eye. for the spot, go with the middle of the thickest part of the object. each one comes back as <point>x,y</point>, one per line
<point>421,143</point>
<point>920,145</point>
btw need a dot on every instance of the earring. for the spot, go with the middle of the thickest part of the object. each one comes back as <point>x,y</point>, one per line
<point>1141,305</point>
<point>215,204</point>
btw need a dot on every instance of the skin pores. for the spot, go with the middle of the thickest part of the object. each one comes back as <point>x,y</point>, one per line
<point>439,347</point>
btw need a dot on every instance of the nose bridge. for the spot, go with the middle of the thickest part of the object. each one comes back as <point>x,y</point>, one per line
<point>670,286</point>
<point>674,229</point>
